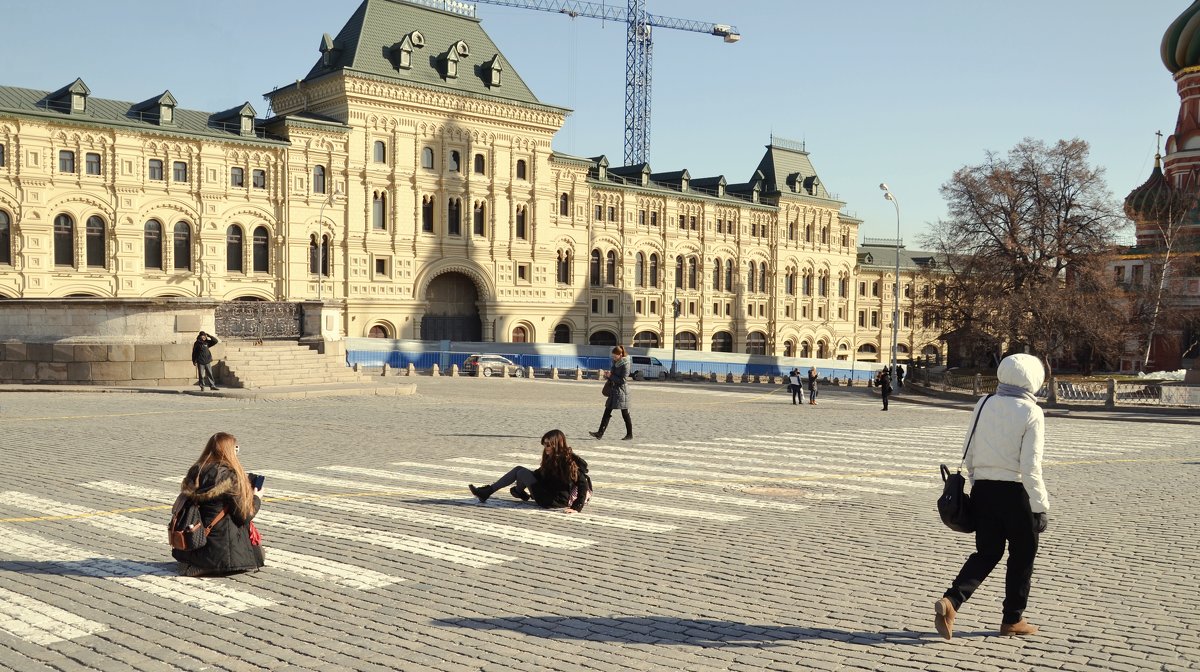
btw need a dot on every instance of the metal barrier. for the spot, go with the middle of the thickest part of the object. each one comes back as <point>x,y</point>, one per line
<point>1109,393</point>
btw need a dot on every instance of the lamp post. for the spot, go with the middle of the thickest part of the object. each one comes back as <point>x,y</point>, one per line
<point>887,194</point>
<point>321,261</point>
<point>674,326</point>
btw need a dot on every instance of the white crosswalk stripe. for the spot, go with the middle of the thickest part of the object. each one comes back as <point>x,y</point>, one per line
<point>39,623</point>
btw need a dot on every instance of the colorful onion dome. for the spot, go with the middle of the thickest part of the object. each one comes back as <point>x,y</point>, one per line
<point>1181,42</point>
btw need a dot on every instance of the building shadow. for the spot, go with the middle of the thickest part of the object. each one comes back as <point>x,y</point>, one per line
<point>495,436</point>
<point>687,631</point>
<point>101,568</point>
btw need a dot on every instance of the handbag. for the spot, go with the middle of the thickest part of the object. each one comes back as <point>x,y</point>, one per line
<point>954,506</point>
<point>607,389</point>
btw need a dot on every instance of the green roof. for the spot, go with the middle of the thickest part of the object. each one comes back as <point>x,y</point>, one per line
<point>787,169</point>
<point>370,43</point>
<point>134,116</point>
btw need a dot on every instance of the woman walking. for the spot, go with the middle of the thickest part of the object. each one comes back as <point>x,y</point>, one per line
<point>560,482</point>
<point>812,385</point>
<point>1008,496</point>
<point>618,394</point>
<point>219,486</point>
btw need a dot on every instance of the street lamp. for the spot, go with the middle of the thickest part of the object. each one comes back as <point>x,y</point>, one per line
<point>675,305</point>
<point>321,261</point>
<point>887,194</point>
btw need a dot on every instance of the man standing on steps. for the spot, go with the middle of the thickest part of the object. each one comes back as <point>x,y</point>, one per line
<point>202,358</point>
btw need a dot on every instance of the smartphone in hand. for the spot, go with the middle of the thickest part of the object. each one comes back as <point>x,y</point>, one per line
<point>256,480</point>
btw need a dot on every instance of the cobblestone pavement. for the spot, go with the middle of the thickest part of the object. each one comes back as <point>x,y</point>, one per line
<point>736,532</point>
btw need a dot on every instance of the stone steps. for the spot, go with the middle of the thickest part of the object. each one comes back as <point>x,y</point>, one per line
<point>280,364</point>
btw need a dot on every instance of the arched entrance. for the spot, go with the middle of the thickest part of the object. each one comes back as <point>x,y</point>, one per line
<point>451,312</point>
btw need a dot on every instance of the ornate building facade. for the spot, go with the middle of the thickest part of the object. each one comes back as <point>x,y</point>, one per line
<point>409,180</point>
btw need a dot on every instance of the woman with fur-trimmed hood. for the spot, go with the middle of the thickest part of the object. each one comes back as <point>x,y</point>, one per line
<point>217,482</point>
<point>618,394</point>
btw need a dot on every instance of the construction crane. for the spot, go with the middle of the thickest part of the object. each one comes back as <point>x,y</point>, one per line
<point>639,53</point>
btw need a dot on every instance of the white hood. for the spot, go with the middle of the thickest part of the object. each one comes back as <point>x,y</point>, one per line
<point>1024,371</point>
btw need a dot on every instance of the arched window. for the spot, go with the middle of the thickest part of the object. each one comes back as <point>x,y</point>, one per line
<point>722,341</point>
<point>520,335</point>
<point>822,349</point>
<point>95,242</point>
<point>610,268</point>
<point>679,271</point>
<point>427,158</point>
<point>790,282</point>
<point>427,214</point>
<point>686,340</point>
<point>5,238</point>
<point>751,277</point>
<point>521,170</point>
<point>729,276</point>
<point>479,164</point>
<point>808,233</point>
<point>907,291</point>
<point>762,278</point>
<point>716,275</point>
<point>868,349</point>
<point>314,255</point>
<point>654,270</point>
<point>603,337</point>
<point>454,217</point>
<point>183,246</point>
<point>791,231</point>
<point>789,348</point>
<point>478,219</point>
<point>379,211</point>
<point>564,205</point>
<point>562,334</point>
<point>594,268</point>
<point>823,289</point>
<point>808,283</point>
<point>455,162</point>
<point>262,253</point>
<point>824,235</point>
<point>521,225</point>
<point>693,273</point>
<point>756,343</point>
<point>318,179</point>
<point>380,152</point>
<point>645,339</point>
<point>562,270</point>
<point>64,240</point>
<point>639,270</point>
<point>325,260</point>
<point>805,349</point>
<point>233,248</point>
<point>378,331</point>
<point>153,243</point>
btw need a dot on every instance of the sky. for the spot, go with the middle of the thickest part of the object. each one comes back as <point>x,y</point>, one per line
<point>879,90</point>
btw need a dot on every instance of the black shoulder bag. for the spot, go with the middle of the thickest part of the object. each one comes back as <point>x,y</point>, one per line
<point>954,506</point>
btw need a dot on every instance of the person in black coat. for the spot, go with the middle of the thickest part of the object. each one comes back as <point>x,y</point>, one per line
<point>812,385</point>
<point>885,385</point>
<point>561,482</point>
<point>202,358</point>
<point>618,394</point>
<point>217,482</point>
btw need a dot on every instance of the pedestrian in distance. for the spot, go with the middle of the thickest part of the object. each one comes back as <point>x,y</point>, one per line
<point>1008,496</point>
<point>202,359</point>
<point>616,389</point>
<point>561,482</point>
<point>885,386</point>
<point>812,386</point>
<point>219,486</point>
<point>900,376</point>
<point>796,386</point>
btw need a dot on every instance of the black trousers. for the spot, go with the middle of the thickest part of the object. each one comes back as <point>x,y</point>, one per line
<point>886,394</point>
<point>1002,514</point>
<point>797,394</point>
<point>624,416</point>
<point>520,475</point>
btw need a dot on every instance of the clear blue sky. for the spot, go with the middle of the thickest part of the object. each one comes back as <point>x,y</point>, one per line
<point>881,90</point>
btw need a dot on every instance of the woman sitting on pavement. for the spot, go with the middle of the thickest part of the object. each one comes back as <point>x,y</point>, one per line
<point>561,482</point>
<point>217,483</point>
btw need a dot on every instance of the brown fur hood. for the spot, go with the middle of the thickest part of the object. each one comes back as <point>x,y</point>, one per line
<point>216,481</point>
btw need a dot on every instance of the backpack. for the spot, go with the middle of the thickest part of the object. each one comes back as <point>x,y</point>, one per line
<point>575,494</point>
<point>187,531</point>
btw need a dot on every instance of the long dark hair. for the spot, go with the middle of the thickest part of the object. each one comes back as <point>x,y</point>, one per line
<point>221,449</point>
<point>558,461</point>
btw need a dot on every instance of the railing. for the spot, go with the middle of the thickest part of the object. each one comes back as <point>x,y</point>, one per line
<point>259,319</point>
<point>1108,393</point>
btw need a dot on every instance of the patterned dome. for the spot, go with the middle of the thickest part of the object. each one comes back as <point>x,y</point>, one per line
<point>1154,199</point>
<point>1181,42</point>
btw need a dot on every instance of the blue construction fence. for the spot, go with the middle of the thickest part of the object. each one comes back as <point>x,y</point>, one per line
<point>375,352</point>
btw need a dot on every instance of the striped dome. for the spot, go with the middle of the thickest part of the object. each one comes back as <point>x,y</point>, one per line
<point>1181,42</point>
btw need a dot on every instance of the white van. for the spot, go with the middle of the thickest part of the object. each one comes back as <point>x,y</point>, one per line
<point>646,368</point>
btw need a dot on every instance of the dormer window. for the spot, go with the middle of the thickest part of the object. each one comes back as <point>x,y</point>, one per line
<point>450,64</point>
<point>401,52</point>
<point>326,50</point>
<point>79,94</point>
<point>493,69</point>
<point>166,109</point>
<point>246,116</point>
<point>461,49</point>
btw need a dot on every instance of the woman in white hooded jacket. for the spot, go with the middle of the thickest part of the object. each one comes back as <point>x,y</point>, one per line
<point>1008,496</point>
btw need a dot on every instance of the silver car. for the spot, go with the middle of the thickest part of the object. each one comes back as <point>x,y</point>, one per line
<point>491,365</point>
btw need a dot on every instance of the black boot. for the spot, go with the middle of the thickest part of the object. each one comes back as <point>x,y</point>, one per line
<point>519,492</point>
<point>628,426</point>
<point>599,434</point>
<point>482,492</point>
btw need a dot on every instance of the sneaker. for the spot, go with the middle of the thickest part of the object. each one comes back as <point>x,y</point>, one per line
<point>943,617</point>
<point>519,492</point>
<point>1021,627</point>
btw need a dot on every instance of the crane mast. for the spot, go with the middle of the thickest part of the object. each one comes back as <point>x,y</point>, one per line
<point>639,54</point>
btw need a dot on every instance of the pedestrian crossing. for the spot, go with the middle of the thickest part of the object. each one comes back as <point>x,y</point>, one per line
<point>417,514</point>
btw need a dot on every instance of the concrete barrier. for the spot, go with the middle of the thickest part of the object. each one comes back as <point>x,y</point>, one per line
<point>454,370</point>
<point>435,371</point>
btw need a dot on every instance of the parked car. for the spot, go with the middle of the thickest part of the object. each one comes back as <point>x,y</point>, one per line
<point>648,368</point>
<point>491,365</point>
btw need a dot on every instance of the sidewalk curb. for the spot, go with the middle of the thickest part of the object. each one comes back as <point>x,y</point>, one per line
<point>251,394</point>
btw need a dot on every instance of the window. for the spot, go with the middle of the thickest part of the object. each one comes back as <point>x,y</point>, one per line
<point>454,217</point>
<point>94,235</point>
<point>1,156</point>
<point>563,270</point>
<point>762,278</point>
<point>653,272</point>
<point>682,222</point>
<point>791,231</point>
<point>645,339</point>
<point>639,270</point>
<point>521,170</point>
<point>91,163</point>
<point>722,341</point>
<point>641,217</point>
<point>478,219</point>
<point>610,269</point>
<point>874,318</point>
<point>862,318</point>
<point>564,205</point>
<point>686,340</point>
<point>480,164</point>
<point>824,284</point>
<point>153,243</point>
<point>716,285</point>
<point>455,162</point>
<point>427,158</point>
<point>653,218</point>
<point>325,260</point>
<point>314,255</point>
<point>843,287</point>
<point>156,169</point>
<point>64,240</point>
<point>789,284</point>
<point>5,238</point>
<point>66,161</point>
<point>789,348</point>
<point>729,275</point>
<point>596,306</point>
<point>720,225</point>
<point>233,249</point>
<point>318,185</point>
<point>599,213</point>
<point>751,277</point>
<point>523,273</point>
<point>521,233</point>
<point>262,254</point>
<point>691,307</point>
<point>679,271</point>
<point>653,307</point>
<point>907,319</point>
<point>594,268</point>
<point>237,177</point>
<point>520,335</point>
<point>756,343</point>
<point>824,235</point>
<point>692,220</point>
<point>612,213</point>
<point>379,152</point>
<point>808,233</point>
<point>179,172</point>
<point>637,306</point>
<point>692,273</point>
<point>379,211</point>
<point>183,246</point>
<point>874,289</point>
<point>427,214</point>
<point>562,334</point>
<point>908,291</point>
<point>610,305</point>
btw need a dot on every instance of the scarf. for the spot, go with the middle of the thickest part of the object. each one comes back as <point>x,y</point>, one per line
<point>1006,390</point>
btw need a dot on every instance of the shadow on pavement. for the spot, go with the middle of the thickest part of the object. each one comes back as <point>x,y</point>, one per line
<point>686,631</point>
<point>93,567</point>
<point>495,436</point>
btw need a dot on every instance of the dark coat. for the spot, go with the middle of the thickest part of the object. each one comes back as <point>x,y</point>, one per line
<point>618,377</point>
<point>228,548</point>
<point>552,493</point>
<point>200,353</point>
<point>812,381</point>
